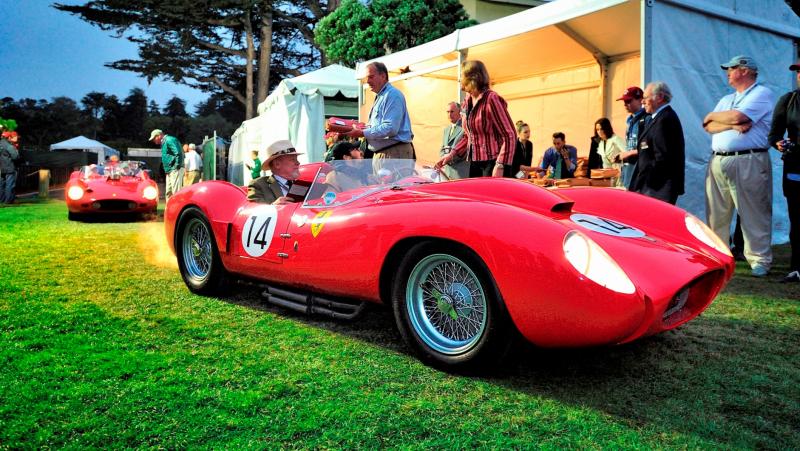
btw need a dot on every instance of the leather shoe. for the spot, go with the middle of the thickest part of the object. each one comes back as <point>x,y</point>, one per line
<point>792,277</point>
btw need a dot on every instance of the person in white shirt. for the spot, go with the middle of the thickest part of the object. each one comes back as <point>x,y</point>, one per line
<point>193,165</point>
<point>740,172</point>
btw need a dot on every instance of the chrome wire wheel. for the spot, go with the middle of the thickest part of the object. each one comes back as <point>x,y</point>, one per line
<point>196,249</point>
<point>446,304</point>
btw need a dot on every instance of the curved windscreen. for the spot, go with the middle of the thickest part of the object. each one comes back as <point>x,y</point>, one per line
<point>113,170</point>
<point>342,181</point>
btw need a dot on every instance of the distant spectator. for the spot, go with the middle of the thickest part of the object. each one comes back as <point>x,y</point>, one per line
<point>8,171</point>
<point>254,166</point>
<point>193,165</point>
<point>171,159</point>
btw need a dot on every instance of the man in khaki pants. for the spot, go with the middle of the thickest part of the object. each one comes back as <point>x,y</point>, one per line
<point>740,172</point>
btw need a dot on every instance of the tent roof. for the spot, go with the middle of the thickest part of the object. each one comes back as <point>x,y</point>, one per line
<point>576,33</point>
<point>81,142</point>
<point>329,81</point>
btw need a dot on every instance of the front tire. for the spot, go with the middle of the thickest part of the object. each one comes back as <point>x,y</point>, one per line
<point>448,309</point>
<point>198,257</point>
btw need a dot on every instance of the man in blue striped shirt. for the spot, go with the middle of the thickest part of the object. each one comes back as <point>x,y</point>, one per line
<point>388,131</point>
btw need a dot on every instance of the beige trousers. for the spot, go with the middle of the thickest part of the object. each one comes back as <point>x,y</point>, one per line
<point>744,183</point>
<point>174,183</point>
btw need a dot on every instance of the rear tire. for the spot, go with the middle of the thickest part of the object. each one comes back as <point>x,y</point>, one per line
<point>448,309</point>
<point>198,257</point>
<point>74,216</point>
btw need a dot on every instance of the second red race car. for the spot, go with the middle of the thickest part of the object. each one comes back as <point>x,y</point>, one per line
<point>123,187</point>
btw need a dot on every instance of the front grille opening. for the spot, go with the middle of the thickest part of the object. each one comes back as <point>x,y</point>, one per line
<point>693,299</point>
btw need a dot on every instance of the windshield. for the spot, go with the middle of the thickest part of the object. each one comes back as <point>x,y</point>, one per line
<point>113,170</point>
<point>342,181</point>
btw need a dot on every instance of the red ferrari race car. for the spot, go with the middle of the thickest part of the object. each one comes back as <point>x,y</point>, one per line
<point>122,187</point>
<point>467,266</point>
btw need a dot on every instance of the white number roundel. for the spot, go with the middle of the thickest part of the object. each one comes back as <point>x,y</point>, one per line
<point>258,230</point>
<point>606,226</point>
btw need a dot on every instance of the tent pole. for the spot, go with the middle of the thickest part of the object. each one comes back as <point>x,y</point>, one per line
<point>646,37</point>
<point>462,56</point>
<point>599,56</point>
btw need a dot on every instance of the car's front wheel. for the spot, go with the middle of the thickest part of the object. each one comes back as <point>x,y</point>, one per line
<point>198,257</point>
<point>448,309</point>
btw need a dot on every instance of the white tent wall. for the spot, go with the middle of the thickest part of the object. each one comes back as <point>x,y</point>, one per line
<point>691,67</point>
<point>563,101</point>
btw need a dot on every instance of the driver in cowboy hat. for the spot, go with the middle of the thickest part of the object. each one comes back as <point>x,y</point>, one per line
<point>282,162</point>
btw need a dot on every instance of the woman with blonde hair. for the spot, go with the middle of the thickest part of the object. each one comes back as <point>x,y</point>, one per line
<point>489,138</point>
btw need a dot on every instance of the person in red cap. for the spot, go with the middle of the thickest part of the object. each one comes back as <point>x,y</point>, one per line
<point>786,122</point>
<point>632,97</point>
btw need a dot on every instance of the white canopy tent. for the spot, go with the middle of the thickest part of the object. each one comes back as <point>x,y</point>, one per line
<point>87,145</point>
<point>295,110</point>
<point>560,67</point>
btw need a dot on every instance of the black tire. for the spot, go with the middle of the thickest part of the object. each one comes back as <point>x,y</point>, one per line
<point>74,216</point>
<point>198,257</point>
<point>465,329</point>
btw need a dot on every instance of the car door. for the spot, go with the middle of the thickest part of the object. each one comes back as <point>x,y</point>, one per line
<point>258,236</point>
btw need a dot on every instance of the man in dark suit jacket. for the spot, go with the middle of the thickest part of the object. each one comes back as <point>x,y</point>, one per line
<point>459,168</point>
<point>660,170</point>
<point>273,189</point>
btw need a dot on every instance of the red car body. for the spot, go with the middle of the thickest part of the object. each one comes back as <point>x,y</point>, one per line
<point>513,232</point>
<point>110,191</point>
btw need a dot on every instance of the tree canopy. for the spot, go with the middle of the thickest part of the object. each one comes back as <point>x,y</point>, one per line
<point>230,46</point>
<point>356,31</point>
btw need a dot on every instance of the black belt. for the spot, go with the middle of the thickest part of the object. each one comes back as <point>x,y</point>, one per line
<point>390,146</point>
<point>739,152</point>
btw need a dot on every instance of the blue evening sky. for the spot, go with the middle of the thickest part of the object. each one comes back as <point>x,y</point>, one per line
<point>46,53</point>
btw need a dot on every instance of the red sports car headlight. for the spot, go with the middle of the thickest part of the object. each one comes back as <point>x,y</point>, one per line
<point>703,233</point>
<point>594,263</point>
<point>75,192</point>
<point>150,193</point>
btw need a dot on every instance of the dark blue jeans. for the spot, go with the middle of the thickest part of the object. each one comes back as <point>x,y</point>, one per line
<point>7,183</point>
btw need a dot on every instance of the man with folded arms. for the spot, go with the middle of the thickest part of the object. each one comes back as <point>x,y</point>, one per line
<point>740,172</point>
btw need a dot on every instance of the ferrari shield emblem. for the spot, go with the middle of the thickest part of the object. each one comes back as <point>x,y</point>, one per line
<point>319,221</point>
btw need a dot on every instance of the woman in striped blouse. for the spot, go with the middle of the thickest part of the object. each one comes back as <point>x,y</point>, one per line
<point>489,138</point>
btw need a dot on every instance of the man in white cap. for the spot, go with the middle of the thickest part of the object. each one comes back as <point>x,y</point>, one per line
<point>283,163</point>
<point>740,172</point>
<point>171,159</point>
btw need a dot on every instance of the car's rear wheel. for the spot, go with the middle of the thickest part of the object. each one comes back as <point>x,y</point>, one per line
<point>198,257</point>
<point>448,309</point>
<point>74,216</point>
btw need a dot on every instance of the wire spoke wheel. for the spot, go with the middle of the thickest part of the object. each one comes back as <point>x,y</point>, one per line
<point>196,250</point>
<point>446,304</point>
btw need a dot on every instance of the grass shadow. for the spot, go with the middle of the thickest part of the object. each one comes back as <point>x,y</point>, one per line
<point>729,381</point>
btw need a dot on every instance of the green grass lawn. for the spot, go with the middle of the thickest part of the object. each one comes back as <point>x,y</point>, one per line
<point>102,345</point>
